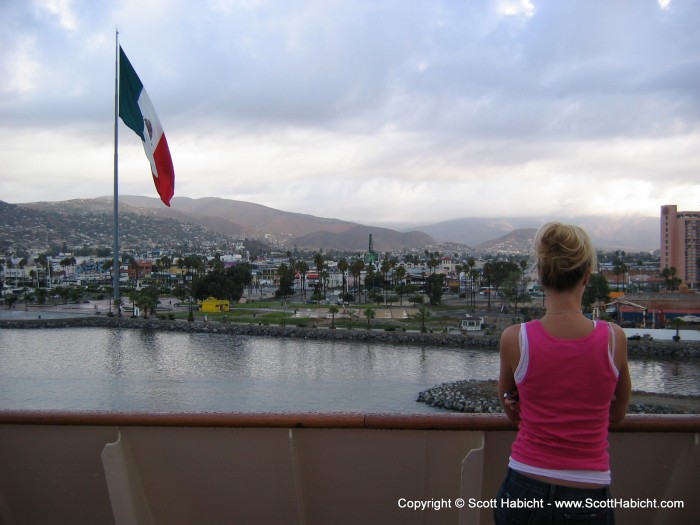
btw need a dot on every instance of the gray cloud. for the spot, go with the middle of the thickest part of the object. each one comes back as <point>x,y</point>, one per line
<point>256,93</point>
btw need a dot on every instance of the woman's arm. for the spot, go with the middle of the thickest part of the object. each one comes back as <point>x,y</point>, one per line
<point>618,407</point>
<point>510,357</point>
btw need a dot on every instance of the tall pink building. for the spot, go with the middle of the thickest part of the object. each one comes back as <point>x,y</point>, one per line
<point>680,243</point>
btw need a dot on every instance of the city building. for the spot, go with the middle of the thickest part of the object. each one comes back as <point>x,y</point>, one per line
<point>680,243</point>
<point>212,305</point>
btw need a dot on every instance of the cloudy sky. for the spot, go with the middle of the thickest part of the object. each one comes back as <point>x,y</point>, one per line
<point>374,111</point>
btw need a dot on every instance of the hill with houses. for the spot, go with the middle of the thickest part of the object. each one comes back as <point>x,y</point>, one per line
<point>216,223</point>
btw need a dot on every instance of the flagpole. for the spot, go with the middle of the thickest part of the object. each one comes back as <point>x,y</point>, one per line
<point>115,262</point>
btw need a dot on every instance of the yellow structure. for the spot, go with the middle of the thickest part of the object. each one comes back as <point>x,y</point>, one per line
<point>212,305</point>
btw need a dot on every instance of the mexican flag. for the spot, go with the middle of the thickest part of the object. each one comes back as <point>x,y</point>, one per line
<point>136,111</point>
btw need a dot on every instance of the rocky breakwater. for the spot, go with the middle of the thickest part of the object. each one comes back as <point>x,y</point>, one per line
<point>463,396</point>
<point>642,348</point>
<point>650,348</point>
<point>230,328</point>
<point>473,396</point>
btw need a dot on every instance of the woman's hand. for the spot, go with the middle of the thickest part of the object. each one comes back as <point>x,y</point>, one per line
<point>511,401</point>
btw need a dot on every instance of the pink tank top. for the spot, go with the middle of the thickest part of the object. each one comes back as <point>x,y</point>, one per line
<point>565,395</point>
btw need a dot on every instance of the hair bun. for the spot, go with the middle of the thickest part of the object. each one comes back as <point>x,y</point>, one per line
<point>564,255</point>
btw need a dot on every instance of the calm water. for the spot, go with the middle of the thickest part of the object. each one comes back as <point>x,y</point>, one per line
<point>134,370</point>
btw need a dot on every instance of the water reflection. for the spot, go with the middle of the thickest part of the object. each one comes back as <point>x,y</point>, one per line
<point>138,370</point>
<point>672,375</point>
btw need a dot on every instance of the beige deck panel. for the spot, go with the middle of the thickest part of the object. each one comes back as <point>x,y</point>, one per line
<point>302,468</point>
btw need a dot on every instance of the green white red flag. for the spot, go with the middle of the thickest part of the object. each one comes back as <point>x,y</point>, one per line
<point>137,112</point>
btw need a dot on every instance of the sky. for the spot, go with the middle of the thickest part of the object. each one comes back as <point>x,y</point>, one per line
<point>379,112</point>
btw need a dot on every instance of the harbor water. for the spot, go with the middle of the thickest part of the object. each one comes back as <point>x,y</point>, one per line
<point>128,370</point>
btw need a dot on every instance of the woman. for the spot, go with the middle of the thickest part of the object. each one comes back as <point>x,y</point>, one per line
<point>564,378</point>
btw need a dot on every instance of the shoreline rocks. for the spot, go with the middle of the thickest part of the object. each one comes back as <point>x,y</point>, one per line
<point>646,348</point>
<point>473,396</point>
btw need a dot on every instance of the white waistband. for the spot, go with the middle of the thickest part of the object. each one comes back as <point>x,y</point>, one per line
<point>599,477</point>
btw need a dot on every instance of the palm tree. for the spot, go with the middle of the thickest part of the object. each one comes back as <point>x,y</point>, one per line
<point>333,309</point>
<point>320,265</point>
<point>399,275</point>
<point>369,314</point>
<point>423,314</point>
<point>386,266</point>
<point>669,275</point>
<point>343,267</point>
<point>471,274</point>
<point>302,268</point>
<point>356,267</point>
<point>134,296</point>
<point>619,268</point>
<point>118,305</point>
<point>135,268</point>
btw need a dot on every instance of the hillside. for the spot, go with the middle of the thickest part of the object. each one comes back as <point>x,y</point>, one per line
<point>145,222</point>
<point>285,229</point>
<point>89,222</point>
<point>607,233</point>
<point>516,242</point>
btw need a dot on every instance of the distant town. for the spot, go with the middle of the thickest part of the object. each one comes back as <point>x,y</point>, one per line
<point>632,287</point>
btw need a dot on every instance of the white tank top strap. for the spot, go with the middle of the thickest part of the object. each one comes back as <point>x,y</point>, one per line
<point>521,369</point>
<point>611,349</point>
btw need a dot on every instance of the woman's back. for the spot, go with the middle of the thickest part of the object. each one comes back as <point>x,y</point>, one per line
<point>565,387</point>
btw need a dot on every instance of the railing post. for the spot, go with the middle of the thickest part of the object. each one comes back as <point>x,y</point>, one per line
<point>127,496</point>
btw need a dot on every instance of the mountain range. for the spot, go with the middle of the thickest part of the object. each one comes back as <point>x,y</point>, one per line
<point>145,221</point>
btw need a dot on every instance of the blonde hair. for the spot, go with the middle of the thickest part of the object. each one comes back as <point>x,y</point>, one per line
<point>564,255</point>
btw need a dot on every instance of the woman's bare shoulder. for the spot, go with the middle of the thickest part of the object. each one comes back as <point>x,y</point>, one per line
<point>510,335</point>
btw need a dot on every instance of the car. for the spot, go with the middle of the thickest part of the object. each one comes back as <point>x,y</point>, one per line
<point>690,319</point>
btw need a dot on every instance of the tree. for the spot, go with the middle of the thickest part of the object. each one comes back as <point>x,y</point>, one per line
<point>10,300</point>
<point>134,265</point>
<point>150,301</point>
<point>191,262</point>
<point>513,288</point>
<point>404,289</point>
<point>373,279</point>
<point>320,265</point>
<point>369,313</point>
<point>133,297</point>
<point>343,268</point>
<point>356,268</point>
<point>670,280</point>
<point>240,276</point>
<point>385,268</point>
<point>473,275</point>
<point>423,315</point>
<point>416,298</point>
<point>146,303</point>
<point>65,263</point>
<point>597,291</point>
<point>333,309</point>
<point>620,268</point>
<point>399,275</point>
<point>227,284</point>
<point>164,264</point>
<point>286,275</point>
<point>434,285</point>
<point>117,305</point>
<point>303,269</point>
